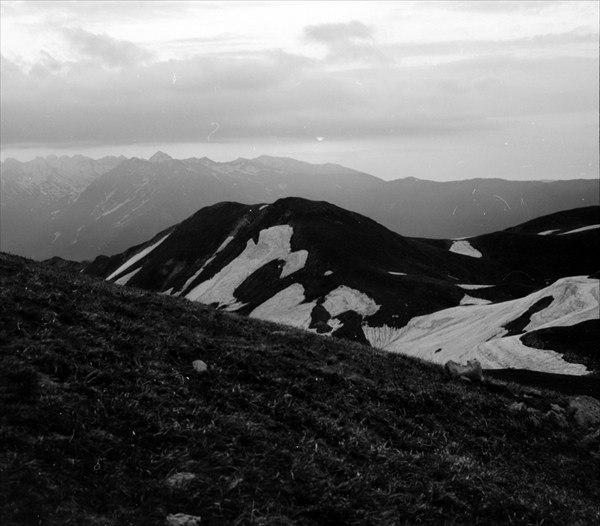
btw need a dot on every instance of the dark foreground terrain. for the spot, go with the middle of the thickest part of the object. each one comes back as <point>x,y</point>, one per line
<point>104,421</point>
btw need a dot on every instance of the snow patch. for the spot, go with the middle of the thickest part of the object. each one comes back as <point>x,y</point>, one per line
<point>224,244</point>
<point>547,232</point>
<point>144,252</point>
<point>123,280</point>
<point>467,286</point>
<point>344,299</point>
<point>470,300</point>
<point>476,331</point>
<point>582,229</point>
<point>197,273</point>
<point>286,307</point>
<point>115,208</point>
<point>328,273</point>
<point>465,248</point>
<point>397,273</point>
<point>273,244</point>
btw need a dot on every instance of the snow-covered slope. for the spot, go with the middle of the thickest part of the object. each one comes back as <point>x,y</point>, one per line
<point>479,331</point>
<point>321,268</point>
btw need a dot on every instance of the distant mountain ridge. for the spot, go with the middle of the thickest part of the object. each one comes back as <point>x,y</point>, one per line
<point>32,193</point>
<point>322,268</point>
<point>120,202</point>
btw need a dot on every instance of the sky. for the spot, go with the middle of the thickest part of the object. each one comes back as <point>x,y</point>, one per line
<point>437,90</point>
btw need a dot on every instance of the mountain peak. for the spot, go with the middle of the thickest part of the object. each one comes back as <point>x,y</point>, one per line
<point>160,157</point>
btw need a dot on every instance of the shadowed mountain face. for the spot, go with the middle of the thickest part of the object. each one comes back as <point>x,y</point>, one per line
<point>134,199</point>
<point>319,267</point>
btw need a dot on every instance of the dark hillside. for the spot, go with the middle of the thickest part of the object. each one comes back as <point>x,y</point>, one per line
<point>541,259</point>
<point>344,249</point>
<point>105,422</point>
<point>560,221</point>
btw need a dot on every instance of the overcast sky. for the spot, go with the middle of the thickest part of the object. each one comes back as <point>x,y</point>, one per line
<point>434,90</point>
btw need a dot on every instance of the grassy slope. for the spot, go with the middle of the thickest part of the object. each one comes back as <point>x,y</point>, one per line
<point>100,405</point>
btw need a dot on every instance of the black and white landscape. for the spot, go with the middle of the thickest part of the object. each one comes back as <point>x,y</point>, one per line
<point>299,263</point>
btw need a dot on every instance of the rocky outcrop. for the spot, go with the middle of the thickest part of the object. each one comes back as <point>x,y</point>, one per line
<point>585,410</point>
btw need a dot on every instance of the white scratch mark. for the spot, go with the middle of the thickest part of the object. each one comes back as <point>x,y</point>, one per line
<point>503,200</point>
<point>454,211</point>
<point>215,126</point>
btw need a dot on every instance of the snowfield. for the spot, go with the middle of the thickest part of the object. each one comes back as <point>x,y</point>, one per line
<point>465,248</point>
<point>197,273</point>
<point>136,258</point>
<point>476,331</point>
<point>273,244</point>
<point>286,307</point>
<point>344,299</point>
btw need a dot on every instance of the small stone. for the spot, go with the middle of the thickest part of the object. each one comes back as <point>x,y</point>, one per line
<point>517,408</point>
<point>558,419</point>
<point>535,420</point>
<point>199,366</point>
<point>472,370</point>
<point>178,480</point>
<point>182,519</point>
<point>591,439</point>
<point>465,380</point>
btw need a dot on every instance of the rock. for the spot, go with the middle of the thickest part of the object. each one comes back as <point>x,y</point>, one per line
<point>472,370</point>
<point>182,519</point>
<point>465,379</point>
<point>591,440</point>
<point>536,420</point>
<point>557,419</point>
<point>557,408</point>
<point>585,410</point>
<point>517,408</point>
<point>178,480</point>
<point>199,366</point>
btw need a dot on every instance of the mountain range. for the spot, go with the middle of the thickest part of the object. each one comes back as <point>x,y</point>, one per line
<point>316,266</point>
<point>78,208</point>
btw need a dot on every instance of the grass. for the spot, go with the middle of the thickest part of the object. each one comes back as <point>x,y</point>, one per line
<point>100,405</point>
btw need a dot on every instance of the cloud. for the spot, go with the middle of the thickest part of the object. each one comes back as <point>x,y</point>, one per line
<point>115,91</point>
<point>501,6</point>
<point>347,42</point>
<point>344,32</point>
<point>101,47</point>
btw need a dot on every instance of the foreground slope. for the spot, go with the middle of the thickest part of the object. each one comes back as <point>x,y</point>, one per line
<point>319,267</point>
<point>105,421</point>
